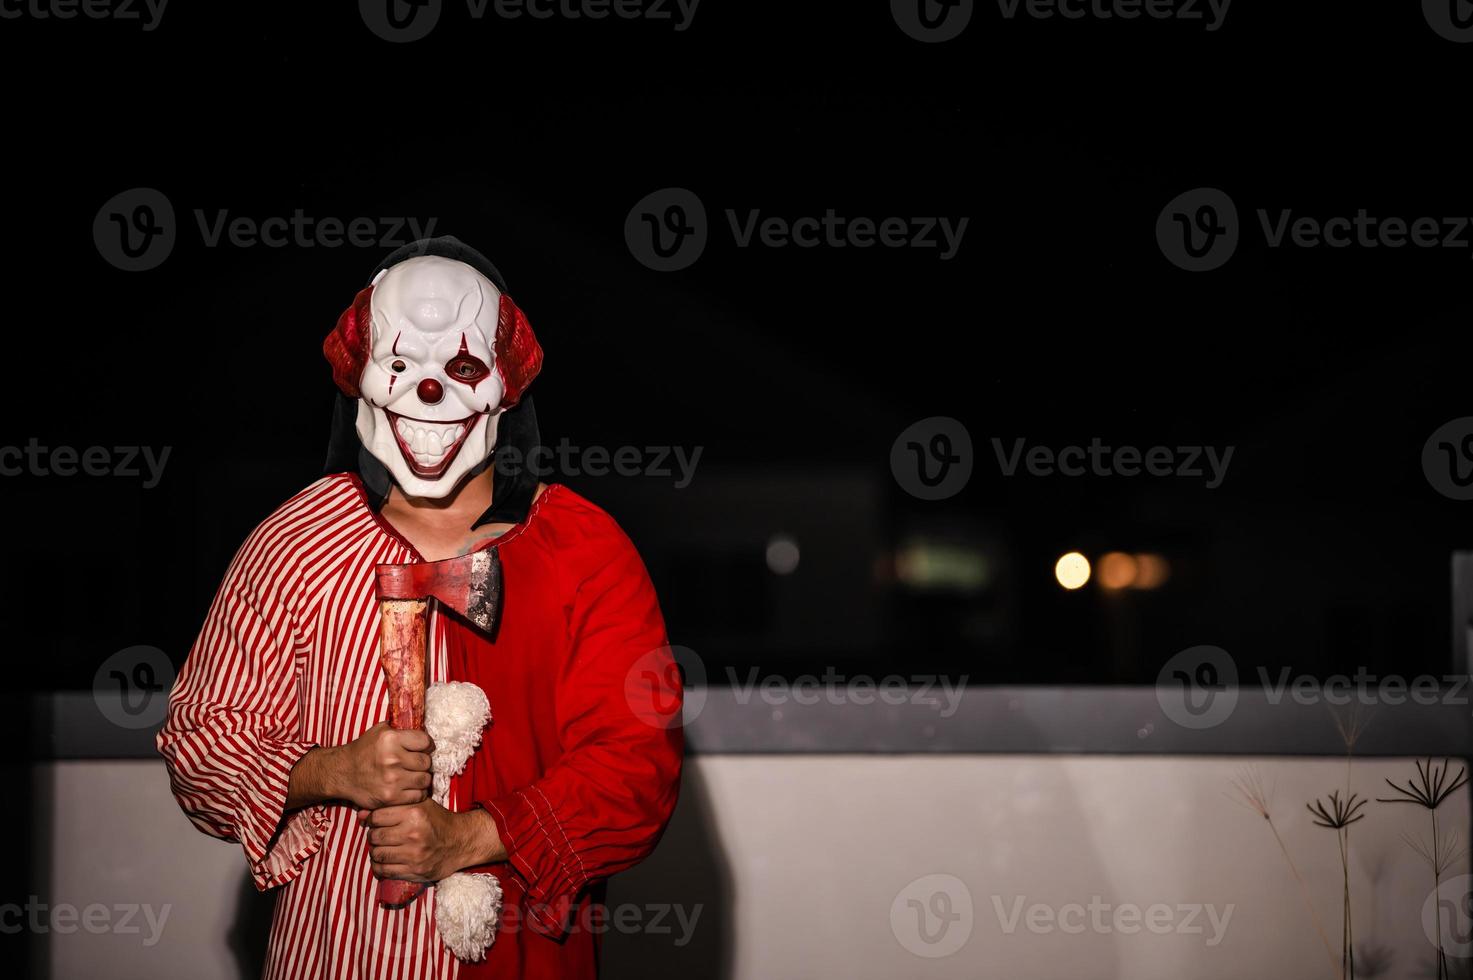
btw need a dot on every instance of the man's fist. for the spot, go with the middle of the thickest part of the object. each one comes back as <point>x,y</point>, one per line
<point>423,842</point>
<point>383,767</point>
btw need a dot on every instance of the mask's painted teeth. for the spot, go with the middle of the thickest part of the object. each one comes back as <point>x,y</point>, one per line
<point>427,441</point>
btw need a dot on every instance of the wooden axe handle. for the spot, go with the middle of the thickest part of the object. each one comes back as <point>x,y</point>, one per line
<point>402,625</point>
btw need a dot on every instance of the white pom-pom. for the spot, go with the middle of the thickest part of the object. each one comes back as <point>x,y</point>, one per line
<point>467,906</point>
<point>467,909</point>
<point>455,714</point>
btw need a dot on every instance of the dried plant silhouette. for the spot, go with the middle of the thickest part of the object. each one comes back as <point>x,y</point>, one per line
<point>1249,791</point>
<point>1430,790</point>
<point>1338,815</point>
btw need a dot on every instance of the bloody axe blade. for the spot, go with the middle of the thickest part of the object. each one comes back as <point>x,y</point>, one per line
<point>471,586</point>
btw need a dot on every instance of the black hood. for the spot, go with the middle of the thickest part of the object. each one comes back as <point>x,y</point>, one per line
<point>516,436</point>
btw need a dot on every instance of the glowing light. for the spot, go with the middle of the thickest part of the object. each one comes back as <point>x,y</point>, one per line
<point>935,566</point>
<point>782,555</point>
<point>1117,570</point>
<point>1072,570</point>
<point>1151,571</point>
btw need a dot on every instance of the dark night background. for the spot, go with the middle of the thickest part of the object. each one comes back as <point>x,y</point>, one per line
<point>1324,550</point>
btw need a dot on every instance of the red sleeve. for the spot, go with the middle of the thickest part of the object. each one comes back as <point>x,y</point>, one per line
<point>232,733</point>
<point>602,806</point>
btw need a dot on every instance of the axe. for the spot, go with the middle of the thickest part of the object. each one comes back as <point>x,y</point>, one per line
<point>471,586</point>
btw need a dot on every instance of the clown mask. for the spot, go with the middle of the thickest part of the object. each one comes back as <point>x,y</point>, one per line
<point>435,353</point>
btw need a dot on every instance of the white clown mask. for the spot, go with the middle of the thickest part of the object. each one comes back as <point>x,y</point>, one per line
<point>444,353</point>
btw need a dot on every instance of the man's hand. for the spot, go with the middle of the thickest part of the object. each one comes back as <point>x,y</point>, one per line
<point>425,841</point>
<point>385,767</point>
<point>381,767</point>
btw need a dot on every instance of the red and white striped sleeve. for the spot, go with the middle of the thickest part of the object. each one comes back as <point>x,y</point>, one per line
<point>233,731</point>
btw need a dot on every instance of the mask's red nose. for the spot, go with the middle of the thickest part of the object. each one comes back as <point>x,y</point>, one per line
<point>429,391</point>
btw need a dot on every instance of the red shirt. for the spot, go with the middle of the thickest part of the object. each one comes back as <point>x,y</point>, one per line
<point>579,782</point>
<point>579,779</point>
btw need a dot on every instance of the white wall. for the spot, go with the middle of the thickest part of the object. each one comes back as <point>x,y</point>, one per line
<point>803,866</point>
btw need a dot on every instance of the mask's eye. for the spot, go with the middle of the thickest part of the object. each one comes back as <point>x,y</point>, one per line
<point>466,368</point>
<point>398,367</point>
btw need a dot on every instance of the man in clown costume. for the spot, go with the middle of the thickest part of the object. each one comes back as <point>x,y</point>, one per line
<point>276,735</point>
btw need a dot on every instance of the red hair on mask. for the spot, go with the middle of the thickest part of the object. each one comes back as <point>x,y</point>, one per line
<point>346,348</point>
<point>518,355</point>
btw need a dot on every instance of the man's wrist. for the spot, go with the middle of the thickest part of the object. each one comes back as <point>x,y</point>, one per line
<point>480,840</point>
<point>313,778</point>
<point>327,772</point>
